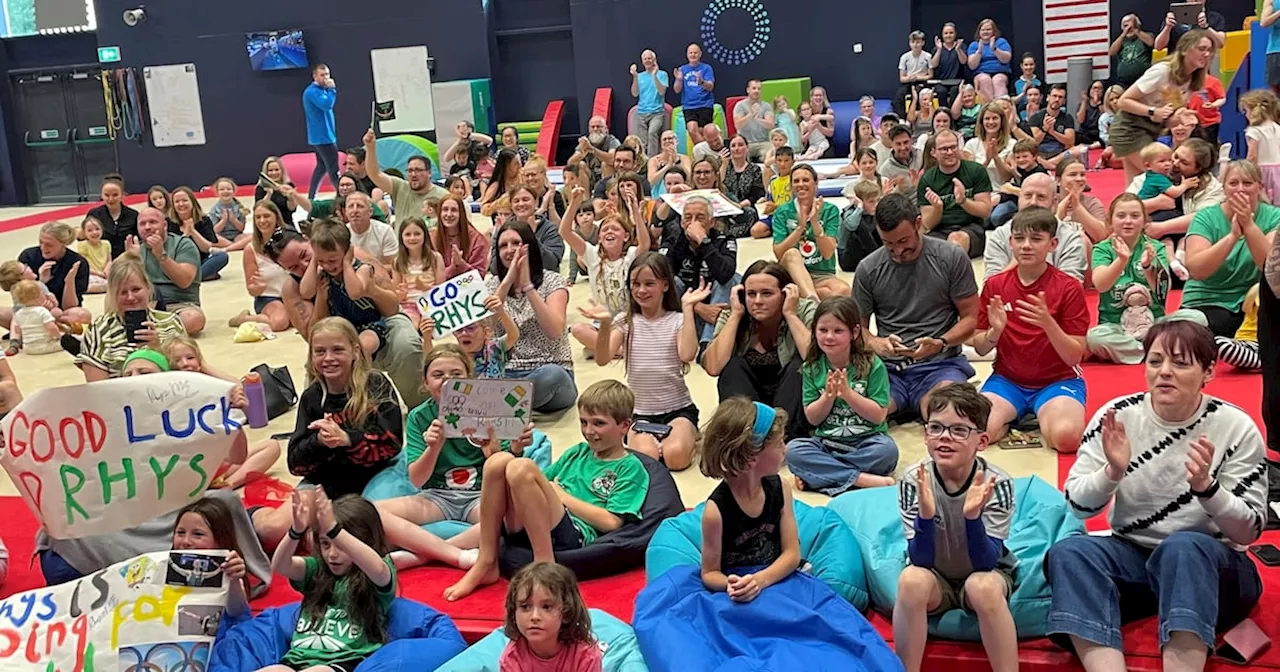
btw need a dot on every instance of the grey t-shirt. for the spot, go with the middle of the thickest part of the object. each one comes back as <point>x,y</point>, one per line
<point>754,129</point>
<point>950,547</point>
<point>915,300</point>
<point>184,251</point>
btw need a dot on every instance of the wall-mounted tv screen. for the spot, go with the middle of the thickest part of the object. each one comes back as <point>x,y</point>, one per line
<point>276,50</point>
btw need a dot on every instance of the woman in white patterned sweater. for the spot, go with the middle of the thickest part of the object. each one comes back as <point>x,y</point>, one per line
<point>1187,474</point>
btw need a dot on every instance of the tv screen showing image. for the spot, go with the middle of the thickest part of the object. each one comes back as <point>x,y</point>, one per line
<point>276,50</point>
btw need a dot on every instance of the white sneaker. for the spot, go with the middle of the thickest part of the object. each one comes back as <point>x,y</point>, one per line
<point>1224,153</point>
<point>1179,270</point>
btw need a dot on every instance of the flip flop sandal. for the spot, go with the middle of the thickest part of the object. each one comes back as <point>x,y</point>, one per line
<point>1019,439</point>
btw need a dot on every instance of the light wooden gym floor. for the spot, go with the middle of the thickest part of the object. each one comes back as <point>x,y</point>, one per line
<point>226,297</point>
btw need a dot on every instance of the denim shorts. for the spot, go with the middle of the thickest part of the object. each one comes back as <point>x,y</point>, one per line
<point>454,504</point>
<point>260,303</point>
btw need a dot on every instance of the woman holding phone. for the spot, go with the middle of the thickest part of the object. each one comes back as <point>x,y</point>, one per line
<point>128,322</point>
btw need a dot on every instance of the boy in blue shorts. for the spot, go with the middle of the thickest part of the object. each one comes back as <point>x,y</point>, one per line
<point>1037,317</point>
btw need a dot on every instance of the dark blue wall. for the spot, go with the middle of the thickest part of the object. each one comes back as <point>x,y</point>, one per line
<point>249,115</point>
<point>807,37</point>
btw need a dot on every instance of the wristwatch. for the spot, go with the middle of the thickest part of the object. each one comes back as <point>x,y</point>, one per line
<point>943,338</point>
<point>1151,113</point>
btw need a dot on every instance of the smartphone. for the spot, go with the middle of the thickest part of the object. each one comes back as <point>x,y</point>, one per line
<point>133,321</point>
<point>653,429</point>
<point>1187,13</point>
<point>1267,553</point>
<point>742,296</point>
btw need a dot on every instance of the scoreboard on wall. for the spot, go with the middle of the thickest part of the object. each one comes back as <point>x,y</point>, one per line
<point>21,18</point>
<point>1075,28</point>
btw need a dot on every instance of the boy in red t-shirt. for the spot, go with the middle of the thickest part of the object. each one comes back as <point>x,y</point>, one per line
<point>1208,107</point>
<point>1037,316</point>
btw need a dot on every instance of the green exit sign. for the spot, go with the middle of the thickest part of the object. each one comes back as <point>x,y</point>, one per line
<point>108,54</point>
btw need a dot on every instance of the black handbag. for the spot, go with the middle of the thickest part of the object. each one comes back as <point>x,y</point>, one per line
<point>277,383</point>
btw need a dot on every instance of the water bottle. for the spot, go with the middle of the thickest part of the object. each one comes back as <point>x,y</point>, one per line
<point>256,394</point>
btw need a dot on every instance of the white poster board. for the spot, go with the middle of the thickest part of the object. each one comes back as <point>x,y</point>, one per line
<point>470,407</point>
<point>125,617</point>
<point>173,99</point>
<point>140,446</point>
<point>400,74</point>
<point>721,206</point>
<point>455,303</point>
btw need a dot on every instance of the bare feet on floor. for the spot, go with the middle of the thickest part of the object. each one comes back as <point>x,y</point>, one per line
<point>476,577</point>
<point>871,481</point>
<point>239,319</point>
<point>800,484</point>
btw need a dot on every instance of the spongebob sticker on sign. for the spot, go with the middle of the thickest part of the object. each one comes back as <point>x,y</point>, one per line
<point>470,407</point>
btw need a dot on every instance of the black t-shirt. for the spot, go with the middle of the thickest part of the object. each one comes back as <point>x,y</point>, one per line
<point>204,227</point>
<point>948,65</point>
<point>33,259</point>
<point>115,231</point>
<point>276,197</point>
<point>366,185</point>
<point>747,541</point>
<point>1065,121</point>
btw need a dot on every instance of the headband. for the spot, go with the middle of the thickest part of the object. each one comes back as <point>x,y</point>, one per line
<point>765,416</point>
<point>149,355</point>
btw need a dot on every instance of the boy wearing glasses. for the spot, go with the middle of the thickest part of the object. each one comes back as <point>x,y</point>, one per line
<point>1037,316</point>
<point>956,512</point>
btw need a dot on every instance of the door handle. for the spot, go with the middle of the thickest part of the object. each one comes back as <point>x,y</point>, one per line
<point>26,140</point>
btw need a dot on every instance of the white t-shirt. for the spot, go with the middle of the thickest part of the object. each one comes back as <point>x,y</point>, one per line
<point>911,65</point>
<point>608,281</point>
<point>978,149</point>
<point>35,340</point>
<point>1155,82</point>
<point>1267,135</point>
<point>379,240</point>
<point>654,370</point>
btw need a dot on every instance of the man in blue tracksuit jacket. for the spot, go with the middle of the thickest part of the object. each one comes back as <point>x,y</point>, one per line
<point>317,105</point>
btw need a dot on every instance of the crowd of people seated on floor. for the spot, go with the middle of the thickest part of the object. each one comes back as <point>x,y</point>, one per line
<point>1001,175</point>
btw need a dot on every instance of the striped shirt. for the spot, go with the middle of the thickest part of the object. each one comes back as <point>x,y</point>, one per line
<point>106,345</point>
<point>654,370</point>
<point>1153,499</point>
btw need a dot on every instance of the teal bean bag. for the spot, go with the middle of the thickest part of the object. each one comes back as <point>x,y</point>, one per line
<point>1040,518</point>
<point>394,482</point>
<point>621,653</point>
<point>825,543</point>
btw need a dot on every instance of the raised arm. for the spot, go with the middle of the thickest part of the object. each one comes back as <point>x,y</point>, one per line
<point>371,167</point>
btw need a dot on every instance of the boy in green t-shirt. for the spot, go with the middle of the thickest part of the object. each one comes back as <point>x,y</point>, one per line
<point>594,488</point>
<point>805,237</point>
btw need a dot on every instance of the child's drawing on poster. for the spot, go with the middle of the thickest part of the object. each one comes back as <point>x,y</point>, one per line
<point>470,407</point>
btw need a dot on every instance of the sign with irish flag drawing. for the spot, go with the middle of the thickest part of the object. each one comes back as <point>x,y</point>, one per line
<point>470,407</point>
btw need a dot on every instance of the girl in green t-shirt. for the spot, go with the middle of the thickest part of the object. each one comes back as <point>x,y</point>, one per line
<point>347,583</point>
<point>1131,274</point>
<point>846,399</point>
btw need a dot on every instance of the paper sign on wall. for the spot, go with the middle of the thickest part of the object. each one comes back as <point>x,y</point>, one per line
<point>720,205</point>
<point>470,407</point>
<point>143,446</point>
<point>124,617</point>
<point>455,303</point>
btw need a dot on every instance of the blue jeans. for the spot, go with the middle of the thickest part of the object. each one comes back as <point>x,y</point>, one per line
<point>1196,583</point>
<point>326,164</point>
<point>719,294</point>
<point>554,388</point>
<point>1003,212</point>
<point>213,264</point>
<point>55,569</point>
<point>831,468</point>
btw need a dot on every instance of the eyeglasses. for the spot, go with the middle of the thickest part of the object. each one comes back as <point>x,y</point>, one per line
<point>935,430</point>
<point>948,148</point>
<point>415,170</point>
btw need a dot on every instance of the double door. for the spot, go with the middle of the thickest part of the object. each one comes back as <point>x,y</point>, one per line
<point>66,144</point>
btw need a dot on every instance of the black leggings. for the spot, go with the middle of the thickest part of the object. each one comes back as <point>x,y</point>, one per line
<point>737,380</point>
<point>1268,332</point>
<point>1222,322</point>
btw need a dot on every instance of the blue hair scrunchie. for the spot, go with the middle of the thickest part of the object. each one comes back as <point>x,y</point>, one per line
<point>765,415</point>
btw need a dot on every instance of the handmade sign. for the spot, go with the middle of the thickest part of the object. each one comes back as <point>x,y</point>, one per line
<point>721,206</point>
<point>470,407</point>
<point>140,446</point>
<point>455,303</point>
<point>120,619</point>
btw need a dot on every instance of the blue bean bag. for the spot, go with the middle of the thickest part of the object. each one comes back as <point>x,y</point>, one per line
<point>798,623</point>
<point>421,638</point>
<point>618,551</point>
<point>621,652</point>
<point>394,482</point>
<point>825,543</point>
<point>1040,518</point>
